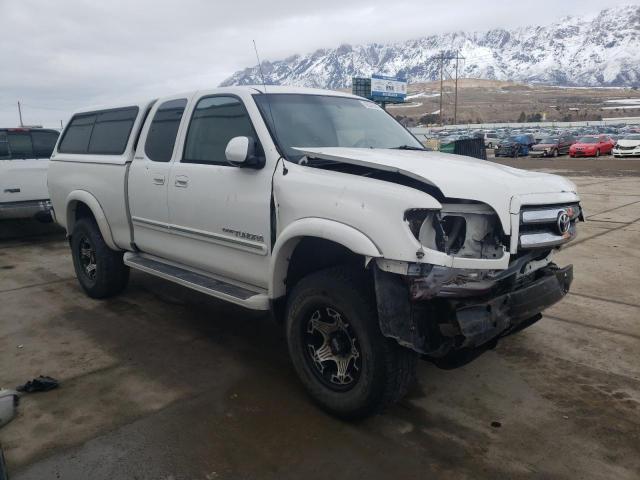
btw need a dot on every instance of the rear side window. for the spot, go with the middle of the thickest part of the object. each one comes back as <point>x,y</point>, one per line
<point>104,133</point>
<point>164,129</point>
<point>43,143</point>
<point>77,135</point>
<point>215,121</point>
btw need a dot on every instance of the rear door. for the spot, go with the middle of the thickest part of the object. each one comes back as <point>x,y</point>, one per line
<point>149,176</point>
<point>24,160</point>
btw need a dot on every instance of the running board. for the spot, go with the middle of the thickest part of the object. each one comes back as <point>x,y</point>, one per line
<point>255,300</point>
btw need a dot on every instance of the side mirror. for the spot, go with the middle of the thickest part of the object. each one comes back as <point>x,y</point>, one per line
<point>241,152</point>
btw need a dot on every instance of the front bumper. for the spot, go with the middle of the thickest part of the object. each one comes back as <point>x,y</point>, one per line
<point>626,153</point>
<point>40,209</point>
<point>582,153</point>
<point>539,153</point>
<point>442,326</point>
<point>481,322</point>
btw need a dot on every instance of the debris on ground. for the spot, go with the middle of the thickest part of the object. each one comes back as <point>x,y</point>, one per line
<point>8,403</point>
<point>39,384</point>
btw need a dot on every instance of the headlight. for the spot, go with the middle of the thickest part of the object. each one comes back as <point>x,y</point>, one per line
<point>470,230</point>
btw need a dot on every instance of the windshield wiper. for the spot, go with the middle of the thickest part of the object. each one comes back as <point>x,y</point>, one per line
<point>408,147</point>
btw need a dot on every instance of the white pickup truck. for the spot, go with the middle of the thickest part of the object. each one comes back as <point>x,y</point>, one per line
<point>319,207</point>
<point>24,159</point>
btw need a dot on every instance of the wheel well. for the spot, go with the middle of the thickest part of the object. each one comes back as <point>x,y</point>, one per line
<point>77,210</point>
<point>83,211</point>
<point>312,254</point>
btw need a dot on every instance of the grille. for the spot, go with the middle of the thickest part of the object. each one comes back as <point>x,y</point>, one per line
<point>548,226</point>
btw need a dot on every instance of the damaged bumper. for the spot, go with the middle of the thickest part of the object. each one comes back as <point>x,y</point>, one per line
<point>481,322</point>
<point>444,324</point>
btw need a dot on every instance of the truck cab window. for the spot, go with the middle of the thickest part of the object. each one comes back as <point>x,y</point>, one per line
<point>20,145</point>
<point>43,143</point>
<point>215,121</point>
<point>4,146</point>
<point>164,129</point>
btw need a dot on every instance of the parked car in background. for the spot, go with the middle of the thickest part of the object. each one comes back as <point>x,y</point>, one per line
<point>24,159</point>
<point>592,146</point>
<point>552,146</point>
<point>491,139</point>
<point>627,146</point>
<point>515,146</point>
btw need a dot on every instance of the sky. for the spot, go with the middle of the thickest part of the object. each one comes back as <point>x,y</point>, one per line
<point>59,56</point>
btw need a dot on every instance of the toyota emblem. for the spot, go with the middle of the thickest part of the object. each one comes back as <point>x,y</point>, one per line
<point>563,223</point>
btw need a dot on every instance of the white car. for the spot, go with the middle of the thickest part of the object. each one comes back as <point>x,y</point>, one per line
<point>627,146</point>
<point>321,208</point>
<point>24,159</point>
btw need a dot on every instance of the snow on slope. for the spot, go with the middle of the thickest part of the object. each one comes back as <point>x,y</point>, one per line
<point>600,50</point>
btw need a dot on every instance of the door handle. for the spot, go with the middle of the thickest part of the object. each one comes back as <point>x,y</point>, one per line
<point>182,181</point>
<point>158,179</point>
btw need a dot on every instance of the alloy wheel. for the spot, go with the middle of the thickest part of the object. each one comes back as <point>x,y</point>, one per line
<point>332,349</point>
<point>88,258</point>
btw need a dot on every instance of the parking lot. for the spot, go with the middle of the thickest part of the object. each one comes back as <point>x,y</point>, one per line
<point>165,383</point>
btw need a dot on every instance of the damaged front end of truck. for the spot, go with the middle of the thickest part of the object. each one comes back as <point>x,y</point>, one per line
<point>451,314</point>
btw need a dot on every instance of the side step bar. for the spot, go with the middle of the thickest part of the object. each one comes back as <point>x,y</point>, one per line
<point>255,300</point>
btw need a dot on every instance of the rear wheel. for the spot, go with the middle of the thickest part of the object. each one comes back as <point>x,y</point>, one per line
<point>100,270</point>
<point>345,363</point>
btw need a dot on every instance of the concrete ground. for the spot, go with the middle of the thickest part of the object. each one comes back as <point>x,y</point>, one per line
<point>164,383</point>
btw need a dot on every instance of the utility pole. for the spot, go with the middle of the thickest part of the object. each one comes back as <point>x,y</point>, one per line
<point>455,108</point>
<point>20,114</point>
<point>441,87</point>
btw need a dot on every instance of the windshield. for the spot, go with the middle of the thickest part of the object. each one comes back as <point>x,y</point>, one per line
<point>588,140</point>
<point>549,140</point>
<point>311,121</point>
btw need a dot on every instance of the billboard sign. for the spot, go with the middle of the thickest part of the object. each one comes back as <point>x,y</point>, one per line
<point>384,87</point>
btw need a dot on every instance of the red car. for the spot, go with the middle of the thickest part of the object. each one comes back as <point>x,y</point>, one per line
<point>592,146</point>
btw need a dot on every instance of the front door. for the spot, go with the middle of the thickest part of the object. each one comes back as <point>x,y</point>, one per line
<point>149,177</point>
<point>221,213</point>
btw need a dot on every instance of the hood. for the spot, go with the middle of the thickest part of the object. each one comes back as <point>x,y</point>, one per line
<point>628,143</point>
<point>542,146</point>
<point>585,145</point>
<point>456,176</point>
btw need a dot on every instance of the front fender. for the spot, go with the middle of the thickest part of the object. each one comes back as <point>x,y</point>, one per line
<point>337,232</point>
<point>82,196</point>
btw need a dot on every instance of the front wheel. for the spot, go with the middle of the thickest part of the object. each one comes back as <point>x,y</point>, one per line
<point>345,363</point>
<point>100,270</point>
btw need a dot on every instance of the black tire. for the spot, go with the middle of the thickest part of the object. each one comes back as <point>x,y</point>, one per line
<point>100,270</point>
<point>597,152</point>
<point>385,370</point>
<point>555,152</point>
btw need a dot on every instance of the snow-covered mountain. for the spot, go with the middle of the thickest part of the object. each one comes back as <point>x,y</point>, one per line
<point>598,50</point>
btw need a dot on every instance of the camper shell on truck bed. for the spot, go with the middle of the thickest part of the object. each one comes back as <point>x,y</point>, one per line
<point>320,207</point>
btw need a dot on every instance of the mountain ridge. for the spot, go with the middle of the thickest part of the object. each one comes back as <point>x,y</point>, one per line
<point>591,50</point>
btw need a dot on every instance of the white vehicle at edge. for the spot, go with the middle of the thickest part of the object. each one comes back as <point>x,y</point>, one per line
<point>627,146</point>
<point>24,159</point>
<point>321,208</point>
